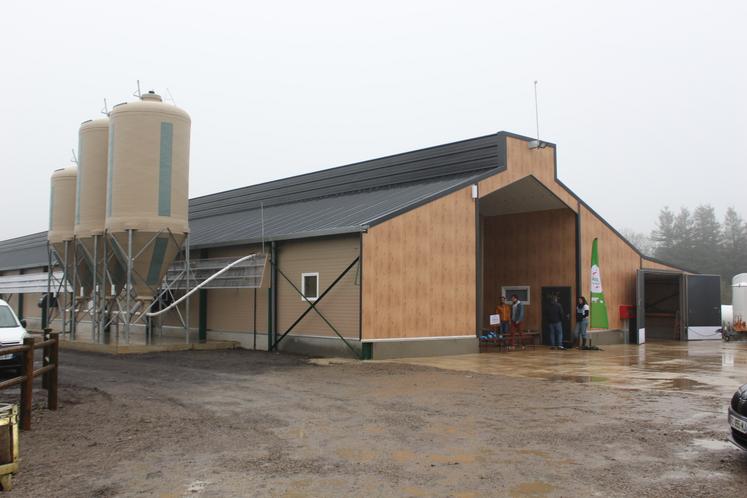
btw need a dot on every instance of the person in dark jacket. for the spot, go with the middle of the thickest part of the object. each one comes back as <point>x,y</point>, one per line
<point>517,313</point>
<point>554,318</point>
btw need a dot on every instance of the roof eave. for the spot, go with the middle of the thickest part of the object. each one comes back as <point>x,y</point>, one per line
<point>436,195</point>
<point>291,236</point>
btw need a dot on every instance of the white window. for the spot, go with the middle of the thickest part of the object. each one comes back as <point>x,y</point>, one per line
<point>521,291</point>
<point>310,286</point>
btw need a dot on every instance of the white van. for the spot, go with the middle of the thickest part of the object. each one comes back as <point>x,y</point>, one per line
<point>12,333</point>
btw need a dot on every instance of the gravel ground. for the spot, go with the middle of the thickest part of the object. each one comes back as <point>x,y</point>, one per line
<point>240,423</point>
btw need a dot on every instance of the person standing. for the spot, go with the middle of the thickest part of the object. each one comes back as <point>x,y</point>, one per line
<point>517,313</point>
<point>504,311</point>
<point>554,317</point>
<point>582,322</point>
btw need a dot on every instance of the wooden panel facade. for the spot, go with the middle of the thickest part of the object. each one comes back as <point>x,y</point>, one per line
<point>523,162</point>
<point>419,272</point>
<point>655,265</point>
<point>537,249</point>
<point>617,260</point>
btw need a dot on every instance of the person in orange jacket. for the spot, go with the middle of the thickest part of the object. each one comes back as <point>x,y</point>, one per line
<point>504,311</point>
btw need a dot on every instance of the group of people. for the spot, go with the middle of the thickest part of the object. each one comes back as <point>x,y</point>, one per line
<point>512,315</point>
<point>554,314</point>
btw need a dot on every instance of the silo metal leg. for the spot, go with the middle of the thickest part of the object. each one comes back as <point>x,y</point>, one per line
<point>129,286</point>
<point>94,291</point>
<point>186,254</point>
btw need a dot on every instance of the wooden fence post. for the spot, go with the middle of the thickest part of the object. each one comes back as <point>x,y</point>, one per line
<point>54,359</point>
<point>28,384</point>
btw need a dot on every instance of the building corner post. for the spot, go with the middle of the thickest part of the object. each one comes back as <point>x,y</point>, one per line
<point>273,294</point>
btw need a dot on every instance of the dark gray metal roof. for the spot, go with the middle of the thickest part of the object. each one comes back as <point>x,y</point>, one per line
<point>339,200</point>
<point>337,214</point>
<point>457,158</point>
<point>29,251</point>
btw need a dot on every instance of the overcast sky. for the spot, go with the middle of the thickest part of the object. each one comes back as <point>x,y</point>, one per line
<point>647,101</point>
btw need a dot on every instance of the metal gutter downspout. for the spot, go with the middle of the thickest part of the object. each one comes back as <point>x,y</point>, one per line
<point>579,263</point>
<point>478,263</point>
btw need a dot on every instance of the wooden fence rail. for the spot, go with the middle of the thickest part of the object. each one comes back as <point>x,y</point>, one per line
<point>50,343</point>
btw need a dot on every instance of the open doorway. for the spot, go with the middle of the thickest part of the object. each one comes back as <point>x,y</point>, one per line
<point>663,300</point>
<point>528,248</point>
<point>563,295</point>
<point>677,306</point>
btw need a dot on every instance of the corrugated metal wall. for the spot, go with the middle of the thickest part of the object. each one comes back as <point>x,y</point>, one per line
<point>329,257</point>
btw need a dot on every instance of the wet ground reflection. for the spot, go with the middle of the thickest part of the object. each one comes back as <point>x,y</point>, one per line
<point>705,367</point>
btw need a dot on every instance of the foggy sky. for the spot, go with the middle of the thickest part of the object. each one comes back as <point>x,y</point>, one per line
<point>647,101</point>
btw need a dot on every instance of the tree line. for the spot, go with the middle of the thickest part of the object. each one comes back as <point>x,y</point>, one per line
<point>696,240</point>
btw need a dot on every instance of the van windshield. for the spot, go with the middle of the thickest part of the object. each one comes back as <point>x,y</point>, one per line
<point>6,318</point>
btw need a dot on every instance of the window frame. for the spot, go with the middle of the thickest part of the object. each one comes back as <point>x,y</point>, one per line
<point>508,290</point>
<point>303,286</point>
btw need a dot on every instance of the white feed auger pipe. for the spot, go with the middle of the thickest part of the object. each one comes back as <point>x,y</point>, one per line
<point>185,296</point>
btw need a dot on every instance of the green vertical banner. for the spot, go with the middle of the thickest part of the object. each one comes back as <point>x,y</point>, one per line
<point>598,317</point>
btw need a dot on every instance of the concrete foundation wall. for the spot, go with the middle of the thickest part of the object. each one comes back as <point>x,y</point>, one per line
<point>426,347</point>
<point>606,337</point>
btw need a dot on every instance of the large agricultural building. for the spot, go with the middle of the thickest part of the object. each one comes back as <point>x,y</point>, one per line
<point>408,255</point>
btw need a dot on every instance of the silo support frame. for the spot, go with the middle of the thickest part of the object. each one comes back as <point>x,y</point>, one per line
<point>74,293</point>
<point>61,292</point>
<point>69,300</point>
<point>55,286</point>
<point>81,257</point>
<point>168,288</point>
<point>97,260</point>
<point>129,310</point>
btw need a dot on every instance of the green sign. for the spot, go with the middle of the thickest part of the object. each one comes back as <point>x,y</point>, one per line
<point>598,304</point>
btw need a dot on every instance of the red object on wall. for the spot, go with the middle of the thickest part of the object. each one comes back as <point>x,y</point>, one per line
<point>627,311</point>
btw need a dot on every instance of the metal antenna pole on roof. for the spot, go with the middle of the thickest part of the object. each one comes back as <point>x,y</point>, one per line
<point>536,110</point>
<point>105,110</point>
<point>137,94</point>
<point>262,222</point>
<point>75,158</point>
<point>171,97</point>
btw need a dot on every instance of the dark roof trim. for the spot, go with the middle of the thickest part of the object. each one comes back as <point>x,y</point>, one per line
<point>598,216</point>
<point>661,262</point>
<point>615,231</point>
<point>24,241</point>
<point>437,195</point>
<point>294,236</point>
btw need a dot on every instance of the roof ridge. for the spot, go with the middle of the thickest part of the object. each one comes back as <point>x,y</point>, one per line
<point>349,165</point>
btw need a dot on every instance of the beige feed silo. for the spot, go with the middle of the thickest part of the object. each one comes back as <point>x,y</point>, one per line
<point>93,146</point>
<point>62,209</point>
<point>147,190</point>
<point>90,206</point>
